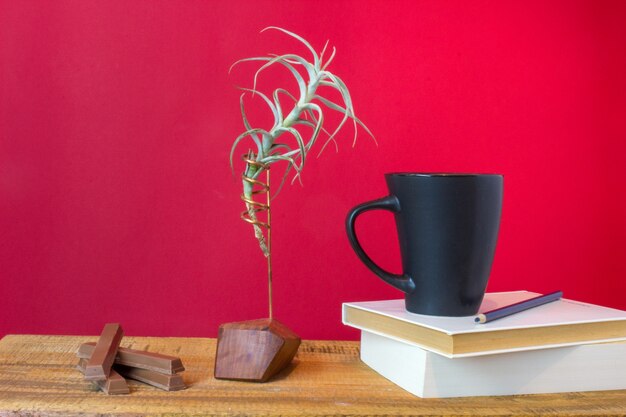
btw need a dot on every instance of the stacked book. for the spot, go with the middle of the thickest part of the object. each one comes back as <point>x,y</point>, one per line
<point>563,346</point>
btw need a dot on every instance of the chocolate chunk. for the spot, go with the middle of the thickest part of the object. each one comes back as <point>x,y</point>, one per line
<point>115,384</point>
<point>99,365</point>
<point>139,359</point>
<point>156,379</point>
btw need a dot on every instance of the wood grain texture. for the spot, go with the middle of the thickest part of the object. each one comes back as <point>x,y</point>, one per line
<point>38,378</point>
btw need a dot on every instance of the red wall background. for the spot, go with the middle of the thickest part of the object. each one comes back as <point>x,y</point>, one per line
<point>116,121</point>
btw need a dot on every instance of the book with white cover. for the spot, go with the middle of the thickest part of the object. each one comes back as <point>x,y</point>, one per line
<point>559,323</point>
<point>594,367</point>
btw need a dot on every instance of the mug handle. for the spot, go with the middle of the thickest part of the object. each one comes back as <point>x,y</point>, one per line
<point>391,203</point>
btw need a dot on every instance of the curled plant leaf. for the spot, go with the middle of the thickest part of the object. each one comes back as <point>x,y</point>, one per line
<point>306,111</point>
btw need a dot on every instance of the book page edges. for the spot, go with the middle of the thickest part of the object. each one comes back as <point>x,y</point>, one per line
<point>484,353</point>
<point>474,344</point>
<point>482,328</point>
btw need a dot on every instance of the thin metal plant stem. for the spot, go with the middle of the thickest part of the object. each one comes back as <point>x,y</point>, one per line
<point>269,245</point>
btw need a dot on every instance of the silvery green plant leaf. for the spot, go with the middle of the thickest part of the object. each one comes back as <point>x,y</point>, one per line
<point>270,145</point>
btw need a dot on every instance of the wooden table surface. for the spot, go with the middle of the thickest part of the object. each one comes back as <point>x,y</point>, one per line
<point>38,378</point>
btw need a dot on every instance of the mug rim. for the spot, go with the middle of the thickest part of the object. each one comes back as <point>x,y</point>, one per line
<point>441,174</point>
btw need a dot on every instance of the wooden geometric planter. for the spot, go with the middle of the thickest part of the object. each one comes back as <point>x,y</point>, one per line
<point>254,350</point>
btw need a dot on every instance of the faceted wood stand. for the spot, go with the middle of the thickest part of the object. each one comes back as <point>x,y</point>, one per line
<point>254,350</point>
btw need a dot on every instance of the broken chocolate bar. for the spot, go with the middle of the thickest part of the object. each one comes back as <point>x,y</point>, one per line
<point>156,379</point>
<point>99,365</point>
<point>139,359</point>
<point>115,384</point>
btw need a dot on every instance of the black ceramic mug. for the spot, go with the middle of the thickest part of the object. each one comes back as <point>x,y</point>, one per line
<point>448,228</point>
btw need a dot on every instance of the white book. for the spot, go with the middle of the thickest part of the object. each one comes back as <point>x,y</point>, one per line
<point>593,367</point>
<point>559,323</point>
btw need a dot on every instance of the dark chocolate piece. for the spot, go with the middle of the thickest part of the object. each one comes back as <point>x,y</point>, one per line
<point>156,379</point>
<point>139,359</point>
<point>99,365</point>
<point>115,384</point>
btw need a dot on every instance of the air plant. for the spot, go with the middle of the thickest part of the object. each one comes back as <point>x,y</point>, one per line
<point>306,111</point>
